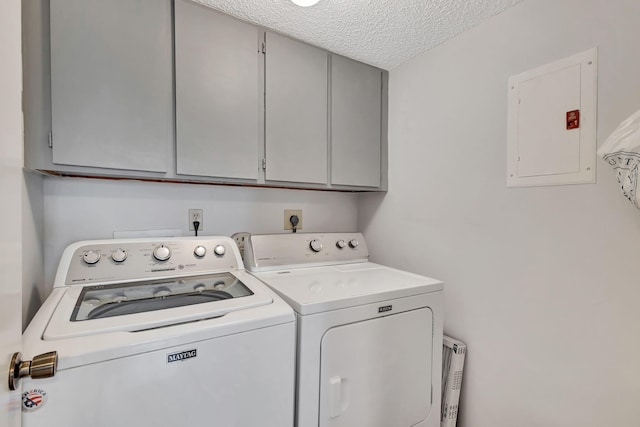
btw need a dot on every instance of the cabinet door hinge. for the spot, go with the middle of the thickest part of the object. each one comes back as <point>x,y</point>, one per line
<point>264,164</point>
<point>264,48</point>
<point>50,140</point>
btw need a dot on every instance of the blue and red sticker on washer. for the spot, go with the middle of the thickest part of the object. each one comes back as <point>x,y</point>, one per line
<point>33,399</point>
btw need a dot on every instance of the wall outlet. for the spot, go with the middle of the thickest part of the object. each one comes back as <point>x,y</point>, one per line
<point>240,238</point>
<point>288,213</point>
<point>196,215</point>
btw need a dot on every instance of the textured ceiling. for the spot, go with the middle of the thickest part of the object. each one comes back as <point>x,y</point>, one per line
<point>383,33</point>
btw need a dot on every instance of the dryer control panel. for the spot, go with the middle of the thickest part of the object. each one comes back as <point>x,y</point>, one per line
<point>265,252</point>
<point>144,259</point>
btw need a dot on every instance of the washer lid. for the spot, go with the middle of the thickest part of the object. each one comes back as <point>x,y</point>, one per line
<point>88,310</point>
<point>319,289</point>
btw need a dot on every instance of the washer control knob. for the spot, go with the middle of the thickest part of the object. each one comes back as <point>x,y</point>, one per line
<point>219,250</point>
<point>119,255</point>
<point>340,244</point>
<point>91,257</point>
<point>353,243</point>
<point>199,251</point>
<point>315,245</point>
<point>162,253</point>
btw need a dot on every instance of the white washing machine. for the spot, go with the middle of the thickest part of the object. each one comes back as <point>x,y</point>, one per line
<point>369,336</point>
<point>159,332</point>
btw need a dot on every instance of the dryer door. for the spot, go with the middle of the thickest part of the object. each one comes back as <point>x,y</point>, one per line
<point>377,373</point>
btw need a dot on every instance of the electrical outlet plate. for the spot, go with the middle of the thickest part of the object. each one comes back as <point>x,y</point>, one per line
<point>196,215</point>
<point>240,238</point>
<point>287,214</point>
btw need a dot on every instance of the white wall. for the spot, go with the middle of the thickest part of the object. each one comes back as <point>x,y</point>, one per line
<point>34,289</point>
<point>80,209</point>
<point>36,106</point>
<point>542,283</point>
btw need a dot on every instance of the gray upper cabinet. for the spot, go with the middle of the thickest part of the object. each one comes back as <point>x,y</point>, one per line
<point>356,93</point>
<point>218,103</point>
<point>246,106</point>
<point>111,83</point>
<point>296,111</point>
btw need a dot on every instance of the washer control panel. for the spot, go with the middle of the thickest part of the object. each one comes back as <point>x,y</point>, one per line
<point>137,259</point>
<point>268,251</point>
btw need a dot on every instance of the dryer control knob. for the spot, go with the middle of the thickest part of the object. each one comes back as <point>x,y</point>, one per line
<point>219,250</point>
<point>353,243</point>
<point>162,253</point>
<point>119,255</point>
<point>91,257</point>
<point>340,244</point>
<point>199,251</point>
<point>315,245</point>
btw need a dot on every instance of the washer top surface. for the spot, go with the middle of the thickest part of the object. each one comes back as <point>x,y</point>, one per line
<point>318,289</point>
<point>317,272</point>
<point>94,310</point>
<point>134,285</point>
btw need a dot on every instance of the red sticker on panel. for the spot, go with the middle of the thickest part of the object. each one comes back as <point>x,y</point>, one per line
<point>573,119</point>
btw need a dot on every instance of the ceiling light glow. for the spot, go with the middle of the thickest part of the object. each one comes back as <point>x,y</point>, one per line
<point>305,3</point>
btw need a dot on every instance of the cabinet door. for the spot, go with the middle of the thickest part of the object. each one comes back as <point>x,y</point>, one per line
<point>356,91</point>
<point>295,111</point>
<point>217,94</point>
<point>112,83</point>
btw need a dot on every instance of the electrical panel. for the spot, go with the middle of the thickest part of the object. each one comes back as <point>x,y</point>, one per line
<point>552,123</point>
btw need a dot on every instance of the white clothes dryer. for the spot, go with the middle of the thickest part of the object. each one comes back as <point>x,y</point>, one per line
<point>369,337</point>
<point>159,332</point>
